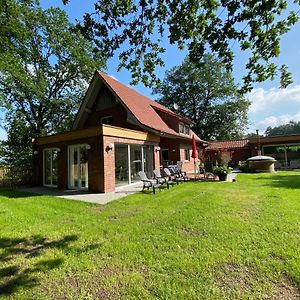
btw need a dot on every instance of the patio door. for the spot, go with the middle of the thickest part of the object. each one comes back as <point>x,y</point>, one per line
<point>78,167</point>
<point>50,167</point>
<point>129,160</point>
<point>148,160</point>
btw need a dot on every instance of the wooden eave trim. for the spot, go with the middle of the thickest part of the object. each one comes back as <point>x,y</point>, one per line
<point>104,130</point>
<point>274,139</point>
<point>129,134</point>
<point>84,101</point>
<point>69,136</point>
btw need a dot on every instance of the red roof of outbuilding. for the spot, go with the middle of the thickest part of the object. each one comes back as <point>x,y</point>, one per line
<point>234,144</point>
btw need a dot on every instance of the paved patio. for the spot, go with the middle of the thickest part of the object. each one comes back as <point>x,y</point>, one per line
<point>84,195</point>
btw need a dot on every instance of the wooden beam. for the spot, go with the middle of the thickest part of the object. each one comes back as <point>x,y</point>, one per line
<point>69,136</point>
<point>106,130</point>
<point>129,134</point>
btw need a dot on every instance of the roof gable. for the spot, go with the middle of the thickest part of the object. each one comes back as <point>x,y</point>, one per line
<point>140,106</point>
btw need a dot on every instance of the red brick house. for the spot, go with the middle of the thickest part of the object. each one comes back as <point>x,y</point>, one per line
<point>233,150</point>
<point>284,148</point>
<point>117,133</point>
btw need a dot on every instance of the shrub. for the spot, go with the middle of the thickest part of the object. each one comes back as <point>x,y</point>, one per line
<point>221,170</point>
<point>244,167</point>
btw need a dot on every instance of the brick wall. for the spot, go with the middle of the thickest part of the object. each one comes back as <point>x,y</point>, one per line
<point>95,165</point>
<point>109,158</point>
<point>188,165</point>
<point>177,152</point>
<point>233,155</point>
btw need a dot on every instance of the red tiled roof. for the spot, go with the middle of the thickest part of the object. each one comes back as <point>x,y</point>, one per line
<point>141,106</point>
<point>234,144</point>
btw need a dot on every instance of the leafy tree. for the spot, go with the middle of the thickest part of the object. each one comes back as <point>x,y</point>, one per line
<point>291,128</point>
<point>139,26</point>
<point>17,149</point>
<point>45,63</point>
<point>251,135</point>
<point>207,96</point>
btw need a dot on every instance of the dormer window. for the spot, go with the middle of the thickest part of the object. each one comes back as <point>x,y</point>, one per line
<point>107,120</point>
<point>184,128</point>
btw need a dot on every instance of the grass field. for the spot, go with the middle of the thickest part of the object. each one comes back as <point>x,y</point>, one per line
<point>199,240</point>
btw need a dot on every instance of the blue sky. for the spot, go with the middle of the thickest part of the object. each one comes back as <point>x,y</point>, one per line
<point>270,106</point>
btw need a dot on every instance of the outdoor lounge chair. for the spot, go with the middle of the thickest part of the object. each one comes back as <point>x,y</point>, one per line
<point>147,183</point>
<point>181,173</point>
<point>206,175</point>
<point>173,177</point>
<point>161,179</point>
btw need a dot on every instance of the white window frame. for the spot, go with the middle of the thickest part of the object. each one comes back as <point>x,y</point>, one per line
<point>44,150</point>
<point>69,169</point>
<point>129,161</point>
<point>189,154</point>
<point>185,128</point>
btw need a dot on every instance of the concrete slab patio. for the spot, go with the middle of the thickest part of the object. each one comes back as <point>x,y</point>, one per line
<point>84,195</point>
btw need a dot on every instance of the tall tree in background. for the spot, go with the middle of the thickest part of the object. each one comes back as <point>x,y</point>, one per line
<point>291,128</point>
<point>138,28</point>
<point>208,96</point>
<point>45,64</point>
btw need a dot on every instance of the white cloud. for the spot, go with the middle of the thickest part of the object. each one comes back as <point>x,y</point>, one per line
<point>274,121</point>
<point>262,99</point>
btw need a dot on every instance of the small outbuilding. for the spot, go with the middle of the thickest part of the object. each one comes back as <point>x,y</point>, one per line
<point>262,163</point>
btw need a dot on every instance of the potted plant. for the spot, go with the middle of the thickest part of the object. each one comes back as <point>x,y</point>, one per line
<point>222,171</point>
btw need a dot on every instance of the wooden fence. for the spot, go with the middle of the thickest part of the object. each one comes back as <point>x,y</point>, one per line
<point>15,176</point>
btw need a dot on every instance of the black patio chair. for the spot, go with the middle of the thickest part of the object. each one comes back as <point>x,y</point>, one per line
<point>181,173</point>
<point>162,179</point>
<point>147,183</point>
<point>173,177</point>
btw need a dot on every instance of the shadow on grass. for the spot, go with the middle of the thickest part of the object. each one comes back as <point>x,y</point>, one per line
<point>14,276</point>
<point>11,193</point>
<point>283,181</point>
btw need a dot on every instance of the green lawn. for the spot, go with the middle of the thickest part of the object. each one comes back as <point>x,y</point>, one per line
<point>199,240</point>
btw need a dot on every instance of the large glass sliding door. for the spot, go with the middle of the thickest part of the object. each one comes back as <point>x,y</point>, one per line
<point>121,164</point>
<point>129,160</point>
<point>148,159</point>
<point>50,167</point>
<point>135,162</point>
<point>78,167</point>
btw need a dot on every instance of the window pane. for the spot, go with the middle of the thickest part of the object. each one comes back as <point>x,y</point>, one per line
<point>47,166</point>
<point>187,154</point>
<point>148,160</point>
<point>121,164</point>
<point>74,167</point>
<point>135,162</point>
<point>50,166</point>
<point>54,166</point>
<point>83,167</point>
<point>165,154</point>
<point>187,129</point>
<point>181,127</point>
